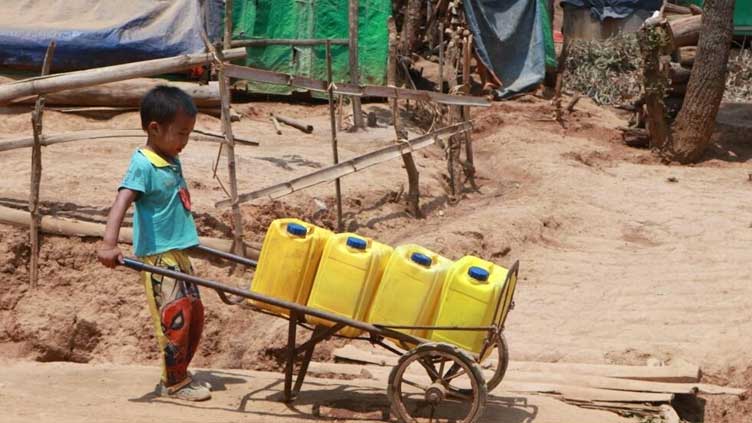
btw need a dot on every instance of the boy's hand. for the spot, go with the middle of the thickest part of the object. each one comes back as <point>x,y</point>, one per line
<point>110,256</point>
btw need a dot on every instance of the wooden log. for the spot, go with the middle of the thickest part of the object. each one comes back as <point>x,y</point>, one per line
<point>26,142</point>
<point>353,30</point>
<point>301,126</point>
<point>288,42</point>
<point>351,166</point>
<point>333,125</point>
<point>125,93</point>
<point>686,31</point>
<point>678,73</point>
<point>676,9</point>
<point>696,10</point>
<point>36,172</point>
<point>275,122</point>
<point>686,56</point>
<point>91,77</point>
<point>69,227</point>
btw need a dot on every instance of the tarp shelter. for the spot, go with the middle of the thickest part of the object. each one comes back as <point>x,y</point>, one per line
<point>514,40</point>
<point>613,9</point>
<point>308,19</point>
<point>93,33</point>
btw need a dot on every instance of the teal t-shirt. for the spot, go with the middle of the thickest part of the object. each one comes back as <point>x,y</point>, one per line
<point>161,222</point>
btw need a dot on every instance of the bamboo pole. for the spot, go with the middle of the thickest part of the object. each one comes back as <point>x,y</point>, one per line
<point>353,55</point>
<point>348,167</point>
<point>288,42</point>
<point>333,123</point>
<point>348,89</point>
<point>91,77</point>
<point>71,227</point>
<point>93,134</point>
<point>36,173</point>
<point>224,90</point>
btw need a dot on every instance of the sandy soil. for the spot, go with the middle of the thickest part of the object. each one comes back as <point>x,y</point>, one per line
<point>623,259</point>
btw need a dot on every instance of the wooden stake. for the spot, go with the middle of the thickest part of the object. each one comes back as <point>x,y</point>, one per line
<point>454,166</point>
<point>413,196</point>
<point>469,164</point>
<point>354,70</point>
<point>275,122</point>
<point>335,153</point>
<point>36,173</point>
<point>441,57</point>
<point>224,91</point>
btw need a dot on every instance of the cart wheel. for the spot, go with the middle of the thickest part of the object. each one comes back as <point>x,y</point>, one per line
<point>502,354</point>
<point>424,388</point>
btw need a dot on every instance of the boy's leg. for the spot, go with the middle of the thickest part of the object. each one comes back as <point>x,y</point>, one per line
<point>178,315</point>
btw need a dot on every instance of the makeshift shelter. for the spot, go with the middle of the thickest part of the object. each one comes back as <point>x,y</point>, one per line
<point>92,33</point>
<point>295,19</point>
<point>514,40</point>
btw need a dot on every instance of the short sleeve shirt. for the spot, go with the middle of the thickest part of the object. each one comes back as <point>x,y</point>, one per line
<point>162,221</point>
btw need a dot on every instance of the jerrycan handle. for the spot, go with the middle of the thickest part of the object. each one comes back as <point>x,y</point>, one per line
<point>296,229</point>
<point>421,259</point>
<point>478,273</point>
<point>357,243</point>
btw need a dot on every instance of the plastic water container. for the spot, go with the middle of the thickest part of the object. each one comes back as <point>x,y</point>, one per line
<point>472,289</point>
<point>410,288</point>
<point>348,276</point>
<point>289,258</point>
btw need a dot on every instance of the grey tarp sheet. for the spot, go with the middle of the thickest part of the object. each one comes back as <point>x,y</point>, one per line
<point>614,9</point>
<point>93,33</point>
<point>509,40</point>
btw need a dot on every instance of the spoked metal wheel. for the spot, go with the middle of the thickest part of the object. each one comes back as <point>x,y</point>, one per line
<point>501,353</point>
<point>437,383</point>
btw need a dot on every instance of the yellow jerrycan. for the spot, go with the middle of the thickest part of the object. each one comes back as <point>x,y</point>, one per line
<point>287,265</point>
<point>410,288</point>
<point>471,292</point>
<point>348,276</point>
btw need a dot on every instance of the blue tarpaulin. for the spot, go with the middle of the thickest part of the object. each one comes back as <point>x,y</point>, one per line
<point>509,39</point>
<point>93,33</point>
<point>614,9</point>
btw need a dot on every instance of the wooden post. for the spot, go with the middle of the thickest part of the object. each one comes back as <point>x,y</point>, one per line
<point>353,54</point>
<point>441,57</point>
<point>335,153</point>
<point>655,42</point>
<point>454,165</point>
<point>224,90</point>
<point>469,164</point>
<point>36,173</point>
<point>413,196</point>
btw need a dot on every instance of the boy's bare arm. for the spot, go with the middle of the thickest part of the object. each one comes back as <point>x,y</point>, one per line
<point>109,254</point>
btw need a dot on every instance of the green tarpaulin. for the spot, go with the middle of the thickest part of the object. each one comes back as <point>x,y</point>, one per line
<point>309,19</point>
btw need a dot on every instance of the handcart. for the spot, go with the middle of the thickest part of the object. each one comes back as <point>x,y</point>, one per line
<point>431,382</point>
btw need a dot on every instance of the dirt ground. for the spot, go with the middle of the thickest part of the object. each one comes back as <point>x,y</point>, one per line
<point>623,259</point>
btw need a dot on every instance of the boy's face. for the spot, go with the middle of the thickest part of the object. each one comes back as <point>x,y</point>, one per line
<point>170,139</point>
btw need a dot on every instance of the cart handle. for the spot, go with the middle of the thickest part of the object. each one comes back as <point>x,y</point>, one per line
<point>293,307</point>
<point>225,255</point>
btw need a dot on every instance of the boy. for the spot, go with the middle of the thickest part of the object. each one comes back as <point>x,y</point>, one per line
<point>163,229</point>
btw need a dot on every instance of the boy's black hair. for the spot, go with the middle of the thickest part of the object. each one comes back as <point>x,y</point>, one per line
<point>162,103</point>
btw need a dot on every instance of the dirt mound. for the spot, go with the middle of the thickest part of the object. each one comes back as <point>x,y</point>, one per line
<point>730,409</point>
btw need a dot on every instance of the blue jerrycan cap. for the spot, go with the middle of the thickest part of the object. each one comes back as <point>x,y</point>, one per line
<point>296,229</point>
<point>357,243</point>
<point>421,259</point>
<point>478,273</point>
